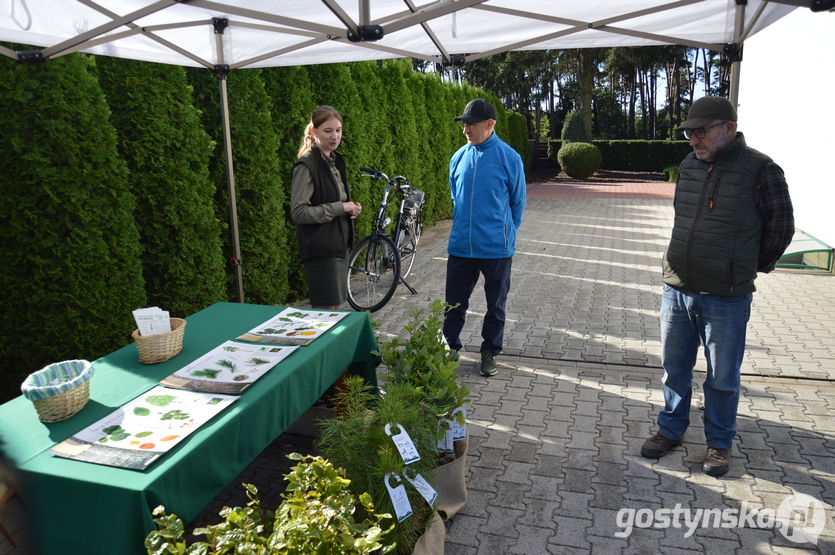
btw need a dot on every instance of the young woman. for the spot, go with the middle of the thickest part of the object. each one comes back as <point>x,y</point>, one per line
<point>322,210</point>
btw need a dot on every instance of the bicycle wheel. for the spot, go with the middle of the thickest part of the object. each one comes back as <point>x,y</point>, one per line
<point>408,242</point>
<point>373,272</point>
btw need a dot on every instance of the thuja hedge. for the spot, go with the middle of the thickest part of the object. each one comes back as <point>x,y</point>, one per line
<point>108,210</point>
<point>167,152</point>
<point>645,156</point>
<point>70,271</point>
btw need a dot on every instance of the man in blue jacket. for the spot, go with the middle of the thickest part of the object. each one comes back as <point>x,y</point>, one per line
<point>487,180</point>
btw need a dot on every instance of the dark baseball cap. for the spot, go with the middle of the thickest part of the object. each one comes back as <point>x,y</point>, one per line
<point>707,109</point>
<point>477,110</point>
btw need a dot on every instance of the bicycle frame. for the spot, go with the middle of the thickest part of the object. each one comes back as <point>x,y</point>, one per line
<point>382,254</point>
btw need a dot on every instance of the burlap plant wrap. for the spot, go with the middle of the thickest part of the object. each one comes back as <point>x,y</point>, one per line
<point>451,485</point>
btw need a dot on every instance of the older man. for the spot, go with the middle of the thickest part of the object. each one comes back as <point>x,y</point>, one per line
<point>733,218</point>
<point>487,181</point>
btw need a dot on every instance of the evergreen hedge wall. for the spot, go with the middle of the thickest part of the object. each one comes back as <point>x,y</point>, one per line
<point>109,209</point>
<point>167,152</point>
<point>70,271</point>
<point>643,156</point>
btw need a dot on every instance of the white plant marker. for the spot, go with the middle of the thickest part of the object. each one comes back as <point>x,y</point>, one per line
<point>404,444</point>
<point>399,499</point>
<point>459,431</point>
<point>420,483</point>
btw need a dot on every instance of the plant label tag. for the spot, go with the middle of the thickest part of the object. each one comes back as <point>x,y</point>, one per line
<point>459,431</point>
<point>420,483</point>
<point>404,444</point>
<point>445,444</point>
<point>399,499</point>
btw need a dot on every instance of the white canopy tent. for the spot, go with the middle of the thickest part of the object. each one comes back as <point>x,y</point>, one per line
<point>223,35</point>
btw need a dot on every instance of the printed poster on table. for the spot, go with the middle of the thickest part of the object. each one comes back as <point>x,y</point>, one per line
<point>140,432</point>
<point>294,326</point>
<point>229,368</point>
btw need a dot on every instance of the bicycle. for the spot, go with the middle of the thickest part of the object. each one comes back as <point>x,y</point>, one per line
<point>379,261</point>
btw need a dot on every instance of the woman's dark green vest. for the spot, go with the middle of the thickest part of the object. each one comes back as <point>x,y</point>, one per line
<point>331,239</point>
<point>715,243</point>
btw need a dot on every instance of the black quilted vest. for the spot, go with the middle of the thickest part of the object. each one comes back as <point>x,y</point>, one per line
<point>715,243</point>
<point>327,240</point>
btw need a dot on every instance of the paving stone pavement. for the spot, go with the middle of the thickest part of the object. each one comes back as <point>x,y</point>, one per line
<point>553,462</point>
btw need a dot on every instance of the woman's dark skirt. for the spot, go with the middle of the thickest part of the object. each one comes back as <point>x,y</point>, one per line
<point>327,280</point>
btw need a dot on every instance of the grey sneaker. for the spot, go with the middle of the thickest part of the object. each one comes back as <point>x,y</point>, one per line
<point>717,461</point>
<point>658,445</point>
<point>488,363</point>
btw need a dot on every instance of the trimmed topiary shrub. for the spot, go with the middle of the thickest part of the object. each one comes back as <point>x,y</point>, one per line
<point>579,160</point>
<point>574,130</point>
<point>671,173</point>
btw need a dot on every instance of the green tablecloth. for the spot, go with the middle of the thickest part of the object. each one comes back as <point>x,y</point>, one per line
<point>84,508</point>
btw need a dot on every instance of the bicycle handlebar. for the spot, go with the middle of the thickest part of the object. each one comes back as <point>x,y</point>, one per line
<point>401,182</point>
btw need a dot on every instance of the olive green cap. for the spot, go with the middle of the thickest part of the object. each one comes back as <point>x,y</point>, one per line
<point>706,110</point>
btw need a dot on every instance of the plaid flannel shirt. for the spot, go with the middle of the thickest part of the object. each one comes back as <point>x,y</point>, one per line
<point>775,206</point>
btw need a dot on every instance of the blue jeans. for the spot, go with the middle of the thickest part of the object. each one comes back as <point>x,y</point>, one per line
<point>720,324</point>
<point>461,278</point>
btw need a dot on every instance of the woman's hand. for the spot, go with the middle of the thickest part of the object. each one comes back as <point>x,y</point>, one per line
<point>353,209</point>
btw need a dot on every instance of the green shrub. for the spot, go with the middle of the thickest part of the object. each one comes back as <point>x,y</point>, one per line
<point>259,188</point>
<point>518,137</point>
<point>579,160</point>
<point>423,360</point>
<point>358,442</point>
<point>634,155</point>
<point>573,129</point>
<point>167,151</point>
<point>70,271</point>
<point>316,516</point>
<point>289,90</point>
<point>671,173</point>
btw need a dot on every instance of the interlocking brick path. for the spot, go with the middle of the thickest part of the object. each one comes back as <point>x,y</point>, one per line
<point>555,437</point>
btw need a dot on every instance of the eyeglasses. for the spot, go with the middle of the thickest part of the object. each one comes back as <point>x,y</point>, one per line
<point>464,124</point>
<point>701,132</point>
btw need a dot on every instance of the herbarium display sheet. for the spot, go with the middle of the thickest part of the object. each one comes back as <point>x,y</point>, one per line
<point>229,368</point>
<point>141,431</point>
<point>294,326</point>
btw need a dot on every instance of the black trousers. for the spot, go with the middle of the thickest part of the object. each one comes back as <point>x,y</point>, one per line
<point>461,278</point>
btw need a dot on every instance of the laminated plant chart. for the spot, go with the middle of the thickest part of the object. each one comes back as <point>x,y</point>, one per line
<point>141,431</point>
<point>294,326</point>
<point>229,368</point>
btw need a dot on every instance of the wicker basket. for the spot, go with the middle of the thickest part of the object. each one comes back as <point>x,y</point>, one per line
<point>161,346</point>
<point>59,390</point>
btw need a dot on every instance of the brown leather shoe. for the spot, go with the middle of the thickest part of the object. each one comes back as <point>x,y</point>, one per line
<point>658,445</point>
<point>717,461</point>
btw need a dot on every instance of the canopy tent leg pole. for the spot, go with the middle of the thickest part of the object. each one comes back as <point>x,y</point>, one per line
<point>221,70</point>
<point>230,176</point>
<point>736,61</point>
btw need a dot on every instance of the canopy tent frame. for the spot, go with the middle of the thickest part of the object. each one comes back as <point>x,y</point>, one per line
<point>365,37</point>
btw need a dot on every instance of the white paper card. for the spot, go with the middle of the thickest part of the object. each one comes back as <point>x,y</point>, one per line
<point>459,431</point>
<point>402,507</point>
<point>420,483</point>
<point>152,321</point>
<point>404,444</point>
<point>445,443</point>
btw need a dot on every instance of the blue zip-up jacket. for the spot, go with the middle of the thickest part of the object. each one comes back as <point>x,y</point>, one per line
<point>487,182</point>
